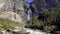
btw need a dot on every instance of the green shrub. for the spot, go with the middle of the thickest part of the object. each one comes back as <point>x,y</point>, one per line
<point>8,24</point>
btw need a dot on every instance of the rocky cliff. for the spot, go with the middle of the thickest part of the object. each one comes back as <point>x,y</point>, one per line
<point>13,10</point>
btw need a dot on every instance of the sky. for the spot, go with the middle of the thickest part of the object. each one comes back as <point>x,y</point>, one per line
<point>29,1</point>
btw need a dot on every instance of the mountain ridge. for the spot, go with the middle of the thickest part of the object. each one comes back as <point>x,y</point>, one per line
<point>45,4</point>
<point>17,6</point>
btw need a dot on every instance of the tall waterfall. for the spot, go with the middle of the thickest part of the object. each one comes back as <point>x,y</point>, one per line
<point>29,14</point>
<point>28,11</point>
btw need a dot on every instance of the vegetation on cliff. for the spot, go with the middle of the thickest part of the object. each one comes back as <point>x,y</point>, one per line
<point>48,18</point>
<point>8,24</point>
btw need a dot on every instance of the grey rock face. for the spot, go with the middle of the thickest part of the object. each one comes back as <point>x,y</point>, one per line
<point>12,9</point>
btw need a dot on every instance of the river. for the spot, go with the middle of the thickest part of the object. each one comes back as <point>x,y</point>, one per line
<point>31,31</point>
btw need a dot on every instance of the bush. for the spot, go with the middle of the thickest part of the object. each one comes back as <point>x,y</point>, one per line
<point>8,24</point>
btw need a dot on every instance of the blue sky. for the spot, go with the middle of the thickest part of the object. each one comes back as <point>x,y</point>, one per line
<point>29,1</point>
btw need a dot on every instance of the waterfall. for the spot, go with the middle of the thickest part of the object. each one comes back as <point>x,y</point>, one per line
<point>28,11</point>
<point>29,15</point>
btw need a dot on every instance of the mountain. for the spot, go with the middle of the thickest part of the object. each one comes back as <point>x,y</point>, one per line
<point>39,5</point>
<point>15,10</point>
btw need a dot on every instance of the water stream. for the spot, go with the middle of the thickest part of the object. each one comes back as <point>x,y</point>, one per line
<point>31,31</point>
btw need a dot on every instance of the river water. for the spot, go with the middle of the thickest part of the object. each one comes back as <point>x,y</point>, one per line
<point>31,31</point>
<point>28,30</point>
<point>35,31</point>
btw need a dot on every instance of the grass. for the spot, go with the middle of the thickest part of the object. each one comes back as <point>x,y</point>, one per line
<point>5,24</point>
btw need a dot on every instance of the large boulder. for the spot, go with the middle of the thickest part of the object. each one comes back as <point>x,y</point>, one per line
<point>11,16</point>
